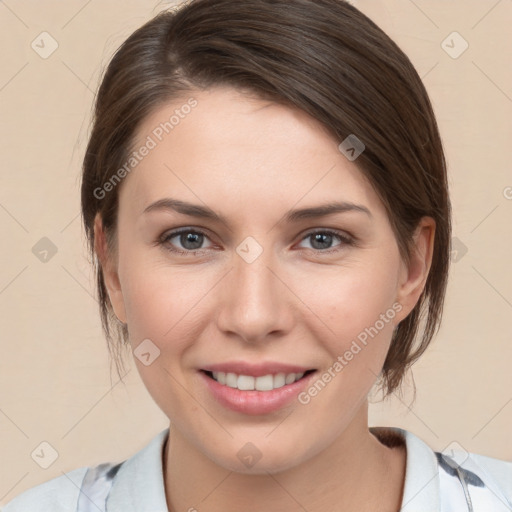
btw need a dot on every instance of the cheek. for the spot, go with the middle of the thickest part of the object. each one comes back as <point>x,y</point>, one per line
<point>162,303</point>
<point>354,295</point>
<point>354,307</point>
<point>354,325</point>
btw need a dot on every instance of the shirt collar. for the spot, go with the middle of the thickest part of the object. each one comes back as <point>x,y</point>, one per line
<point>139,484</point>
<point>421,488</point>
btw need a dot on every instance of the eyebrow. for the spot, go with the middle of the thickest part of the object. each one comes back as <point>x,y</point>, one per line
<point>194,210</point>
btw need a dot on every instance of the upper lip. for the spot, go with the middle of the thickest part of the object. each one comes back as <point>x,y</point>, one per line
<point>255,370</point>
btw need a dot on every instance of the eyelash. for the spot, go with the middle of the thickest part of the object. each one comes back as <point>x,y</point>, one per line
<point>344,239</point>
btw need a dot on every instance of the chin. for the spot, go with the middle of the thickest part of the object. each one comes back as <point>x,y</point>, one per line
<point>250,460</point>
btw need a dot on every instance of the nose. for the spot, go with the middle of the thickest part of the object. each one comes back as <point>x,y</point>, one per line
<point>255,302</point>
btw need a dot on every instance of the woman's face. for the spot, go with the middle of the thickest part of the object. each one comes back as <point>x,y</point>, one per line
<point>257,277</point>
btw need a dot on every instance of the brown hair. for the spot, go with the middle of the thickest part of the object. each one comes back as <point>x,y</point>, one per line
<point>322,56</point>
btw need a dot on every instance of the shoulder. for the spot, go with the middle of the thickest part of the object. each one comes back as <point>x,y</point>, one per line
<point>127,486</point>
<point>59,494</point>
<point>494,471</point>
<point>452,479</point>
<point>487,481</point>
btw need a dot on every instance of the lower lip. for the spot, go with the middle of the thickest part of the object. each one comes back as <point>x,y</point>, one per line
<point>255,402</point>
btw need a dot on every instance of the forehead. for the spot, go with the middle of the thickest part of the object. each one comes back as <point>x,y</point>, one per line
<point>232,148</point>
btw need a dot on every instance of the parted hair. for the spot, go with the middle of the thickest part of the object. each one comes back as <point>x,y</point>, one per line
<point>324,57</point>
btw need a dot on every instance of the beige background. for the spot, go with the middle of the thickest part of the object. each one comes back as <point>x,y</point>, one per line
<point>55,383</point>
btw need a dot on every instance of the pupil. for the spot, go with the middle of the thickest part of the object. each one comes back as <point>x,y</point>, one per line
<point>322,236</point>
<point>191,238</point>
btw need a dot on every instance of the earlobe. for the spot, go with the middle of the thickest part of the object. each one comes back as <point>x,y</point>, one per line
<point>413,276</point>
<point>108,266</point>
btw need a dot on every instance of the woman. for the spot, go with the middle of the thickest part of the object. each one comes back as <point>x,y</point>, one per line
<point>265,191</point>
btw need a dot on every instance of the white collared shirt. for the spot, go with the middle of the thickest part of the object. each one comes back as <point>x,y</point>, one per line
<point>434,482</point>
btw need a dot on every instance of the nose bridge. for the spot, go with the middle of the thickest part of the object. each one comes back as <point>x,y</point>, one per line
<point>254,302</point>
<point>254,281</point>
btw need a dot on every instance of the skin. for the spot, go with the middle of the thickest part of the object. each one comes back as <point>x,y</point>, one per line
<point>252,161</point>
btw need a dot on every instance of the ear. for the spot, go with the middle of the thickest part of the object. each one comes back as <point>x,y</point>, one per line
<point>413,275</point>
<point>109,268</point>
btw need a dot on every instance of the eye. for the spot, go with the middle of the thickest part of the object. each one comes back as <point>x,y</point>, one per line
<point>190,239</point>
<point>321,240</point>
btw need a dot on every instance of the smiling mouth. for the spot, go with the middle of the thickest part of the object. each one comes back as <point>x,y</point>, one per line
<point>250,383</point>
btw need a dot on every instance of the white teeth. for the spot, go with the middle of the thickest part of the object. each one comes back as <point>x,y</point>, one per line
<point>245,382</point>
<point>220,377</point>
<point>248,383</point>
<point>231,380</point>
<point>290,378</point>
<point>279,380</point>
<point>265,383</point>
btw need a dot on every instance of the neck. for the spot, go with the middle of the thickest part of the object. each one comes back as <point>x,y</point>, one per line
<point>354,473</point>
